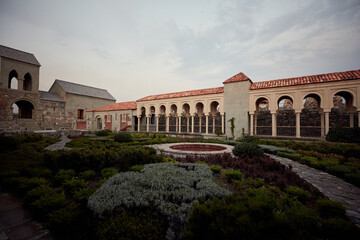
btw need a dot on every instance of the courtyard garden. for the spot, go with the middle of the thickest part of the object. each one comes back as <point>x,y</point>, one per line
<point>114,186</point>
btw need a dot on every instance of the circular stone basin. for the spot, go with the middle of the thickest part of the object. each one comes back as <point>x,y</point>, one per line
<point>183,149</point>
<point>197,147</point>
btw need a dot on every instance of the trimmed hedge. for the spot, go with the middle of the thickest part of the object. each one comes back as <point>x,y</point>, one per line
<point>247,149</point>
<point>348,135</point>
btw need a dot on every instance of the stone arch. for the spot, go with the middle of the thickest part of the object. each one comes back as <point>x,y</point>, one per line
<point>13,80</point>
<point>27,85</point>
<point>185,120</point>
<point>162,118</point>
<point>152,118</point>
<point>262,120</point>
<point>186,109</point>
<point>142,119</point>
<point>285,117</point>
<point>342,112</point>
<point>173,117</point>
<point>25,109</point>
<point>310,116</point>
<point>214,118</point>
<point>199,118</point>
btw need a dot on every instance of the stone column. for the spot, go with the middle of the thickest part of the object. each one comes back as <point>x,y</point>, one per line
<point>167,123</point>
<point>273,122</point>
<point>187,124</point>
<point>157,123</point>
<point>255,124</point>
<point>20,84</point>
<point>213,124</point>
<point>322,124</point>
<point>351,115</point>
<point>176,124</point>
<point>179,124</point>
<point>200,124</point>
<point>206,124</point>
<point>147,123</point>
<point>139,123</point>
<point>327,123</point>
<point>297,124</point>
<point>358,119</point>
<point>192,123</point>
<point>251,124</point>
<point>222,122</point>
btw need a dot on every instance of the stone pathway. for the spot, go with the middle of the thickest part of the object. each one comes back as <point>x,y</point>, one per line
<point>15,222</point>
<point>59,145</point>
<point>332,187</point>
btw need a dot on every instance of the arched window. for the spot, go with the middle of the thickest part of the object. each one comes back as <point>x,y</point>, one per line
<point>13,80</point>
<point>27,86</point>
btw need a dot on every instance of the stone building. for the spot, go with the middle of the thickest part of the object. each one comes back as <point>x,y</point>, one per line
<point>297,107</point>
<point>23,106</point>
<point>116,117</point>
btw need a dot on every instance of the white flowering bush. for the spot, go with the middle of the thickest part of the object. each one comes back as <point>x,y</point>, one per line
<point>172,188</point>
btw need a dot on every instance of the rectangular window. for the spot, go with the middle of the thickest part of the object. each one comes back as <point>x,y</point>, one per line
<point>109,118</point>
<point>80,114</point>
<point>115,116</point>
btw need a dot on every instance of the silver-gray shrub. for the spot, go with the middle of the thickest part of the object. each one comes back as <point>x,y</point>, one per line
<point>170,187</point>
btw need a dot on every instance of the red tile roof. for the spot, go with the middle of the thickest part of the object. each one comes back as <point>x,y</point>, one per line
<point>237,78</point>
<point>116,107</point>
<point>183,94</point>
<point>321,78</point>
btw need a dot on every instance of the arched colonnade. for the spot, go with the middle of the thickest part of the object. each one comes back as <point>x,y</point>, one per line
<point>205,117</point>
<point>303,112</point>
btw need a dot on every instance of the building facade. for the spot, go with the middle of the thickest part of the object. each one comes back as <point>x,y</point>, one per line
<point>24,107</point>
<point>297,107</point>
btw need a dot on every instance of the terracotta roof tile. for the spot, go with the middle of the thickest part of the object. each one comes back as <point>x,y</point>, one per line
<point>238,78</point>
<point>116,106</point>
<point>321,78</point>
<point>183,94</point>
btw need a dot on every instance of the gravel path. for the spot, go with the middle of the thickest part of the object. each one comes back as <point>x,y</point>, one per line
<point>59,145</point>
<point>333,187</point>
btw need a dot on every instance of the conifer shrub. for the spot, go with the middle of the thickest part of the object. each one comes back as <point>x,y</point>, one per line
<point>247,150</point>
<point>134,224</point>
<point>293,156</point>
<point>108,172</point>
<point>232,174</point>
<point>215,169</point>
<point>72,185</point>
<point>330,209</point>
<point>87,175</point>
<point>136,168</point>
<point>121,137</point>
<point>63,175</point>
<point>347,135</point>
<point>66,218</point>
<point>103,133</point>
<point>298,193</point>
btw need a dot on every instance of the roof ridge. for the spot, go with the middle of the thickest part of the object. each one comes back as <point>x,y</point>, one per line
<point>307,79</point>
<point>177,92</point>
<point>80,84</point>
<point>17,50</point>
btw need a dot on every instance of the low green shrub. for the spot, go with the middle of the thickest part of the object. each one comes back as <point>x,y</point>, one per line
<point>108,172</point>
<point>38,172</point>
<point>254,182</point>
<point>82,195</point>
<point>87,175</point>
<point>248,138</point>
<point>63,175</point>
<point>299,193</point>
<point>348,135</point>
<point>136,168</point>
<point>66,218</point>
<point>23,184</point>
<point>330,209</point>
<point>37,193</point>
<point>215,169</point>
<point>232,174</point>
<point>311,161</point>
<point>293,156</point>
<point>353,178</point>
<point>135,224</point>
<point>338,170</point>
<point>103,133</point>
<point>73,184</point>
<point>121,137</point>
<point>247,149</point>
<point>47,203</point>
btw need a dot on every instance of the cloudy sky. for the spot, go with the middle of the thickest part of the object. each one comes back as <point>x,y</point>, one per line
<point>136,48</point>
